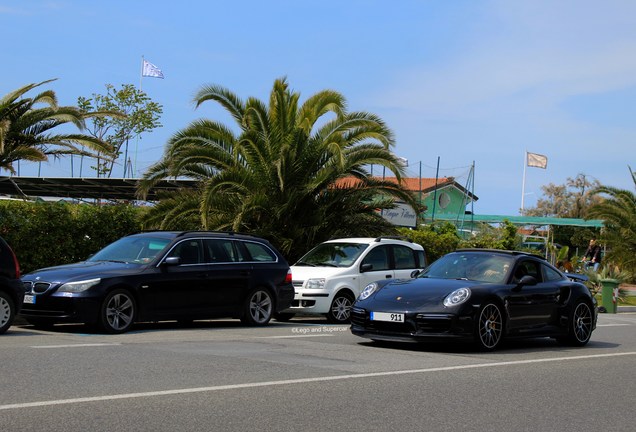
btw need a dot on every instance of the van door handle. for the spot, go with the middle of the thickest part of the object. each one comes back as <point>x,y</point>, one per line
<point>388,276</point>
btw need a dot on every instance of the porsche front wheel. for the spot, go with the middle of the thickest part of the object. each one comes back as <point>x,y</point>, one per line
<point>490,327</point>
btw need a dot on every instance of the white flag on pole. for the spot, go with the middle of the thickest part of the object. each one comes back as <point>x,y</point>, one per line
<point>537,160</point>
<point>150,70</point>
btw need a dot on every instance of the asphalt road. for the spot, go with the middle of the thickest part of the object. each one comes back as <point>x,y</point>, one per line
<point>308,376</point>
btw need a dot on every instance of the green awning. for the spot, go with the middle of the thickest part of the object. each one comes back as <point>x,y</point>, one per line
<point>519,220</point>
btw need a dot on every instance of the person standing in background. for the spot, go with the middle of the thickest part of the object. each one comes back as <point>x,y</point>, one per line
<point>592,257</point>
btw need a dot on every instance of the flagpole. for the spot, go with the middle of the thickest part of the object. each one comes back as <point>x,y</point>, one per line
<point>523,184</point>
<point>141,72</point>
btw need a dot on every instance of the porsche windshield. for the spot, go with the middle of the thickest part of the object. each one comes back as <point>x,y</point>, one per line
<point>475,266</point>
<point>140,250</point>
<point>333,255</point>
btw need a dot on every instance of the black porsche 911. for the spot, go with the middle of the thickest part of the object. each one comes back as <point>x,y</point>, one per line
<point>482,295</point>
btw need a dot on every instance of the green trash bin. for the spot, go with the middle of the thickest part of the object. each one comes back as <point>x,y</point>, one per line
<point>609,295</point>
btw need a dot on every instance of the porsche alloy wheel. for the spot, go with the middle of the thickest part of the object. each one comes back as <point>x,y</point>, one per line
<point>580,325</point>
<point>490,327</point>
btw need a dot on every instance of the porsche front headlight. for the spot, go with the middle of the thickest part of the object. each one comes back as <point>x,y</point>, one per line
<point>368,290</point>
<point>457,297</point>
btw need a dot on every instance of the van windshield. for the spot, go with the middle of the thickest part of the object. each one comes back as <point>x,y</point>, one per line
<point>333,255</point>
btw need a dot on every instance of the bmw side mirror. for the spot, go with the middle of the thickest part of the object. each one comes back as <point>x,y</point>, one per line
<point>172,261</point>
<point>415,273</point>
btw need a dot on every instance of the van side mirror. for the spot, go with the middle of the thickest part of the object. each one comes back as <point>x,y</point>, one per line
<point>366,268</point>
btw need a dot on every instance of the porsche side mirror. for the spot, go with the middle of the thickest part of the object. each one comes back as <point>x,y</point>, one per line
<point>415,273</point>
<point>528,280</point>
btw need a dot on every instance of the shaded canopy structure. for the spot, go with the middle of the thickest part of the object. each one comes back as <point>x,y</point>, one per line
<point>84,188</point>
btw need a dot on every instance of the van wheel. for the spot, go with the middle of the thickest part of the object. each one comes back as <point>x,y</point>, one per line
<point>340,310</point>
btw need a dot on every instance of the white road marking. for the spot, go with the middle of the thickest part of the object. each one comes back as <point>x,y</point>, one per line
<point>612,325</point>
<point>293,336</point>
<point>76,345</point>
<point>298,381</point>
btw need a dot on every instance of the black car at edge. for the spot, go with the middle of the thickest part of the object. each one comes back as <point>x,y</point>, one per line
<point>11,293</point>
<point>481,295</point>
<point>160,276</point>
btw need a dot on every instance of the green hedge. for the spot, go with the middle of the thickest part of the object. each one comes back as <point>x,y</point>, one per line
<point>43,234</point>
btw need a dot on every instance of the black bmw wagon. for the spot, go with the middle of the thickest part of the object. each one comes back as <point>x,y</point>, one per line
<point>162,276</point>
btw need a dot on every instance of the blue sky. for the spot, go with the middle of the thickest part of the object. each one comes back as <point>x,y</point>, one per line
<point>463,80</point>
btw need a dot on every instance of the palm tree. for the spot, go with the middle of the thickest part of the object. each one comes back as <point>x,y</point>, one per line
<point>295,174</point>
<point>618,212</point>
<point>26,124</point>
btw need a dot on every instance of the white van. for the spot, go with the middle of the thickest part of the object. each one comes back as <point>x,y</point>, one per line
<point>329,278</point>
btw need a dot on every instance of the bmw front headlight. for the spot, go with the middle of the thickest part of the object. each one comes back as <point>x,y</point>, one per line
<point>315,284</point>
<point>79,286</point>
<point>368,290</point>
<point>457,297</point>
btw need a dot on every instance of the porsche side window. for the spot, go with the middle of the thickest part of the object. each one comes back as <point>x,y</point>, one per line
<point>551,274</point>
<point>529,268</point>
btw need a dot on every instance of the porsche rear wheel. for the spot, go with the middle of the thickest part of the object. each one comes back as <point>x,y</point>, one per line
<point>579,325</point>
<point>490,327</point>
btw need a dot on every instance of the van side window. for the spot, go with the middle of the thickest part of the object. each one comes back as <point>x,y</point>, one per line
<point>404,257</point>
<point>378,258</point>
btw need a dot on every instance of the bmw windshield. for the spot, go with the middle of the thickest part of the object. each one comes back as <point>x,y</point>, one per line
<point>333,255</point>
<point>138,250</point>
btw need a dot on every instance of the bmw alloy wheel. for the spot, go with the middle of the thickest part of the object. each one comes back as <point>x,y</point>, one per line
<point>260,307</point>
<point>118,312</point>
<point>6,312</point>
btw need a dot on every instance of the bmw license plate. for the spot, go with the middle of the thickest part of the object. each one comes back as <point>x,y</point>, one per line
<point>29,299</point>
<point>386,316</point>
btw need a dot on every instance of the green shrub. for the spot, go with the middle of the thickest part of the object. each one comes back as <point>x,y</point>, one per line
<point>437,239</point>
<point>44,234</point>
